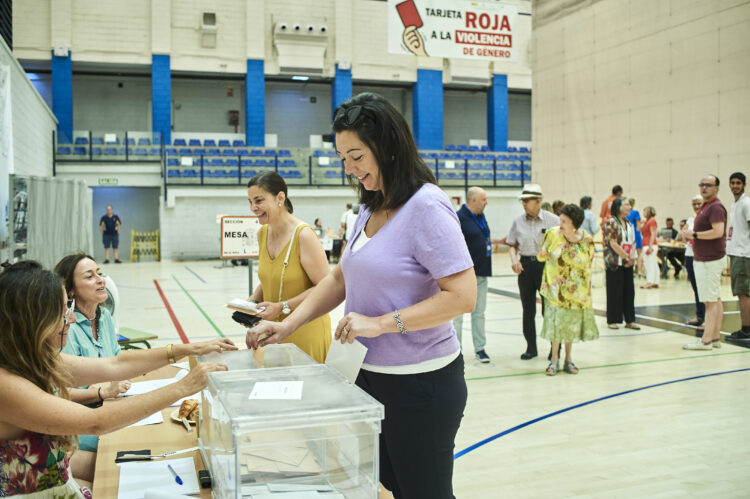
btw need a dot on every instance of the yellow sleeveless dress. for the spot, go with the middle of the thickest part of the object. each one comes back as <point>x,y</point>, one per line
<point>313,338</point>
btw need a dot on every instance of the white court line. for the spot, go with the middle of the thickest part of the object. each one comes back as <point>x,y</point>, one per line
<point>670,322</point>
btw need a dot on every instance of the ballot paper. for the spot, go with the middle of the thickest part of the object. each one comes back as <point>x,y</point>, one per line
<point>277,390</point>
<point>137,477</point>
<point>155,418</point>
<point>346,358</point>
<point>141,387</point>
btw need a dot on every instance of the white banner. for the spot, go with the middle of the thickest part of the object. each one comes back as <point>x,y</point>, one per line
<point>479,30</point>
<point>239,237</point>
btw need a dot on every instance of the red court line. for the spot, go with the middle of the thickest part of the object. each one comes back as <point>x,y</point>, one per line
<point>176,323</point>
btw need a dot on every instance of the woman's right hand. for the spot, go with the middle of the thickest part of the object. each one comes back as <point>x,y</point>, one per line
<point>115,388</point>
<point>197,379</point>
<point>271,310</point>
<point>267,332</point>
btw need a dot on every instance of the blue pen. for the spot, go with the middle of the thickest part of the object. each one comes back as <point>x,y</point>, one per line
<point>174,473</point>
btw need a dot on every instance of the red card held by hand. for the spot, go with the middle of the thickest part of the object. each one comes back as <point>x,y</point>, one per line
<point>409,14</point>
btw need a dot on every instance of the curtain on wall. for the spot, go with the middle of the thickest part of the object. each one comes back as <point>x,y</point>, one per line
<point>59,219</point>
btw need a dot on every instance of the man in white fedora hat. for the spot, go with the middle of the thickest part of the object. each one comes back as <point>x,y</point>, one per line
<point>525,239</point>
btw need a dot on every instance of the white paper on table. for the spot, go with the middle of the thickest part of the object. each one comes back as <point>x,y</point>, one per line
<point>182,365</point>
<point>137,477</point>
<point>159,494</point>
<point>155,418</point>
<point>277,390</point>
<point>181,374</point>
<point>141,387</point>
<point>346,358</point>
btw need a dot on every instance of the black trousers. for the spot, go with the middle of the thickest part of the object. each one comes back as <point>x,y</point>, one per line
<point>620,295</point>
<point>700,307</point>
<point>529,282</point>
<point>422,415</point>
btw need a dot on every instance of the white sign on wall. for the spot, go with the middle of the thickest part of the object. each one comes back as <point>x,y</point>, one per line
<point>239,237</point>
<point>479,30</point>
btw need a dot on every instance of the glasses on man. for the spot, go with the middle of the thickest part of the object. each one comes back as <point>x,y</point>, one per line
<point>702,185</point>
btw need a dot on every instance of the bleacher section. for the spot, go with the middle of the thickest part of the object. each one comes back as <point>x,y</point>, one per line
<point>211,161</point>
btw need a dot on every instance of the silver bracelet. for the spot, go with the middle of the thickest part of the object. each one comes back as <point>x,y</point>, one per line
<point>399,324</point>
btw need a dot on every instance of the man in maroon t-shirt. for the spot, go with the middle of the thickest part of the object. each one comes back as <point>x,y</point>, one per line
<point>709,248</point>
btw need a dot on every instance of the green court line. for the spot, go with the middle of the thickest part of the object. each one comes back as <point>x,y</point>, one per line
<point>614,365</point>
<point>198,307</point>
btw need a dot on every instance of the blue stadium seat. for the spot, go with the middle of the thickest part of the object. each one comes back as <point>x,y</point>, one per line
<point>220,173</point>
<point>97,140</point>
<point>144,141</point>
<point>525,149</point>
<point>192,173</point>
<point>443,155</point>
<point>238,143</point>
<point>123,152</point>
<point>141,151</point>
<point>173,162</point>
<point>214,152</point>
<point>473,148</point>
<point>231,162</point>
<point>130,141</point>
<point>199,151</point>
<point>96,151</point>
<point>467,155</point>
<point>63,150</point>
<point>450,147</point>
<point>422,155</point>
<point>487,176</point>
<point>461,147</point>
<point>332,174</point>
<point>186,151</point>
<point>154,151</point>
<point>224,143</point>
<point>110,151</point>
<point>82,140</point>
<point>475,176</point>
<point>479,156</point>
<point>500,176</point>
<point>234,173</point>
<point>179,142</point>
<point>194,143</point>
<point>79,150</point>
<point>485,148</point>
<point>456,155</point>
<point>216,162</point>
<point>209,143</point>
<point>246,162</point>
<point>170,151</point>
<point>270,152</point>
<point>288,163</point>
<point>242,152</point>
<point>527,176</point>
<point>171,173</point>
<point>512,149</point>
<point>256,152</point>
<point>228,152</point>
<point>248,173</point>
<point>432,155</point>
<point>525,157</point>
<point>285,153</point>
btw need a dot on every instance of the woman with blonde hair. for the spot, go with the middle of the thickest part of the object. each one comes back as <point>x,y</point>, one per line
<point>38,422</point>
<point>650,248</point>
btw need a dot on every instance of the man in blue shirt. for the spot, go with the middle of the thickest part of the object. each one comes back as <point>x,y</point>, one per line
<point>477,234</point>
<point>110,227</point>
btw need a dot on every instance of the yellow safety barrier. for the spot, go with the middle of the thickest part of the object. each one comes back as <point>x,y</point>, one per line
<point>144,244</point>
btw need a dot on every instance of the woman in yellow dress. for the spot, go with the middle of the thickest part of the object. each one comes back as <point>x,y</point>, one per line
<point>291,262</point>
<point>566,287</point>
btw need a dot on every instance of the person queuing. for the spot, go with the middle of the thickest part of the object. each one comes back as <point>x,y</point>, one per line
<point>738,249</point>
<point>38,422</point>
<point>525,239</point>
<point>619,258</point>
<point>709,250</point>
<point>476,231</point>
<point>606,213</point>
<point>566,287</point>
<point>405,274</point>
<point>635,219</point>
<point>650,248</point>
<point>291,262</point>
<point>589,221</point>
<point>94,335</point>
<point>700,308</point>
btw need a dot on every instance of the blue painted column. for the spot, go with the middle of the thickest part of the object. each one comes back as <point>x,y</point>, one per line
<point>497,114</point>
<point>427,107</point>
<point>342,87</point>
<point>161,96</point>
<point>255,103</point>
<point>62,97</point>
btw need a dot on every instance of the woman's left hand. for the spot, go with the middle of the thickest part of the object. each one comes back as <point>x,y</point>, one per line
<point>217,345</point>
<point>353,325</point>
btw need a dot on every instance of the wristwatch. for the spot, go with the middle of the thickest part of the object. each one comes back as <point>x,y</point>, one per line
<point>695,234</point>
<point>285,308</point>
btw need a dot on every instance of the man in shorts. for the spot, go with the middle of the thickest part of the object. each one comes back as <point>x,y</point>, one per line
<point>738,249</point>
<point>110,227</point>
<point>709,249</point>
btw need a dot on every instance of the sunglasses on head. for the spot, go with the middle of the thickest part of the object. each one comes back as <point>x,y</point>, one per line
<point>348,117</point>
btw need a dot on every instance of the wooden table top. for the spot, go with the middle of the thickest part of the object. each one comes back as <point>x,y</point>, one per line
<point>163,437</point>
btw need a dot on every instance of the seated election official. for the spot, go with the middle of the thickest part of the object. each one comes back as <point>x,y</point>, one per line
<point>39,422</point>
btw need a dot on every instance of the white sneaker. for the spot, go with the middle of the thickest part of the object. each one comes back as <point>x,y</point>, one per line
<point>716,343</point>
<point>698,345</point>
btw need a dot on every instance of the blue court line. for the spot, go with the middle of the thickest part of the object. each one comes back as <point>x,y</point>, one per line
<point>583,404</point>
<point>196,275</point>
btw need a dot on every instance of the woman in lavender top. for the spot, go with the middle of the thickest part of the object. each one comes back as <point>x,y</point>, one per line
<point>405,274</point>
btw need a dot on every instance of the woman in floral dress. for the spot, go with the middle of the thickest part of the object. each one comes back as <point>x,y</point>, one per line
<point>566,287</point>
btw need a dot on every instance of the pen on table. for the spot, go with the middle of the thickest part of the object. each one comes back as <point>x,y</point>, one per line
<point>174,473</point>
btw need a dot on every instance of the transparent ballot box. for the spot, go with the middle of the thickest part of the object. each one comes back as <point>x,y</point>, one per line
<point>281,355</point>
<point>302,429</point>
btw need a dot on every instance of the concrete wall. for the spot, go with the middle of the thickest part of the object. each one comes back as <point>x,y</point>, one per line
<point>650,95</point>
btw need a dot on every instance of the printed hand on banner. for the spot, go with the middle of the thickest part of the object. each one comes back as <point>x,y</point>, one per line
<point>413,41</point>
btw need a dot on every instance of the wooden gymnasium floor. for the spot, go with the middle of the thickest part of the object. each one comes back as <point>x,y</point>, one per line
<point>643,418</point>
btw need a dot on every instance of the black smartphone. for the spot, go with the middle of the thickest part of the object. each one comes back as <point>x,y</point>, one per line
<point>246,319</point>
